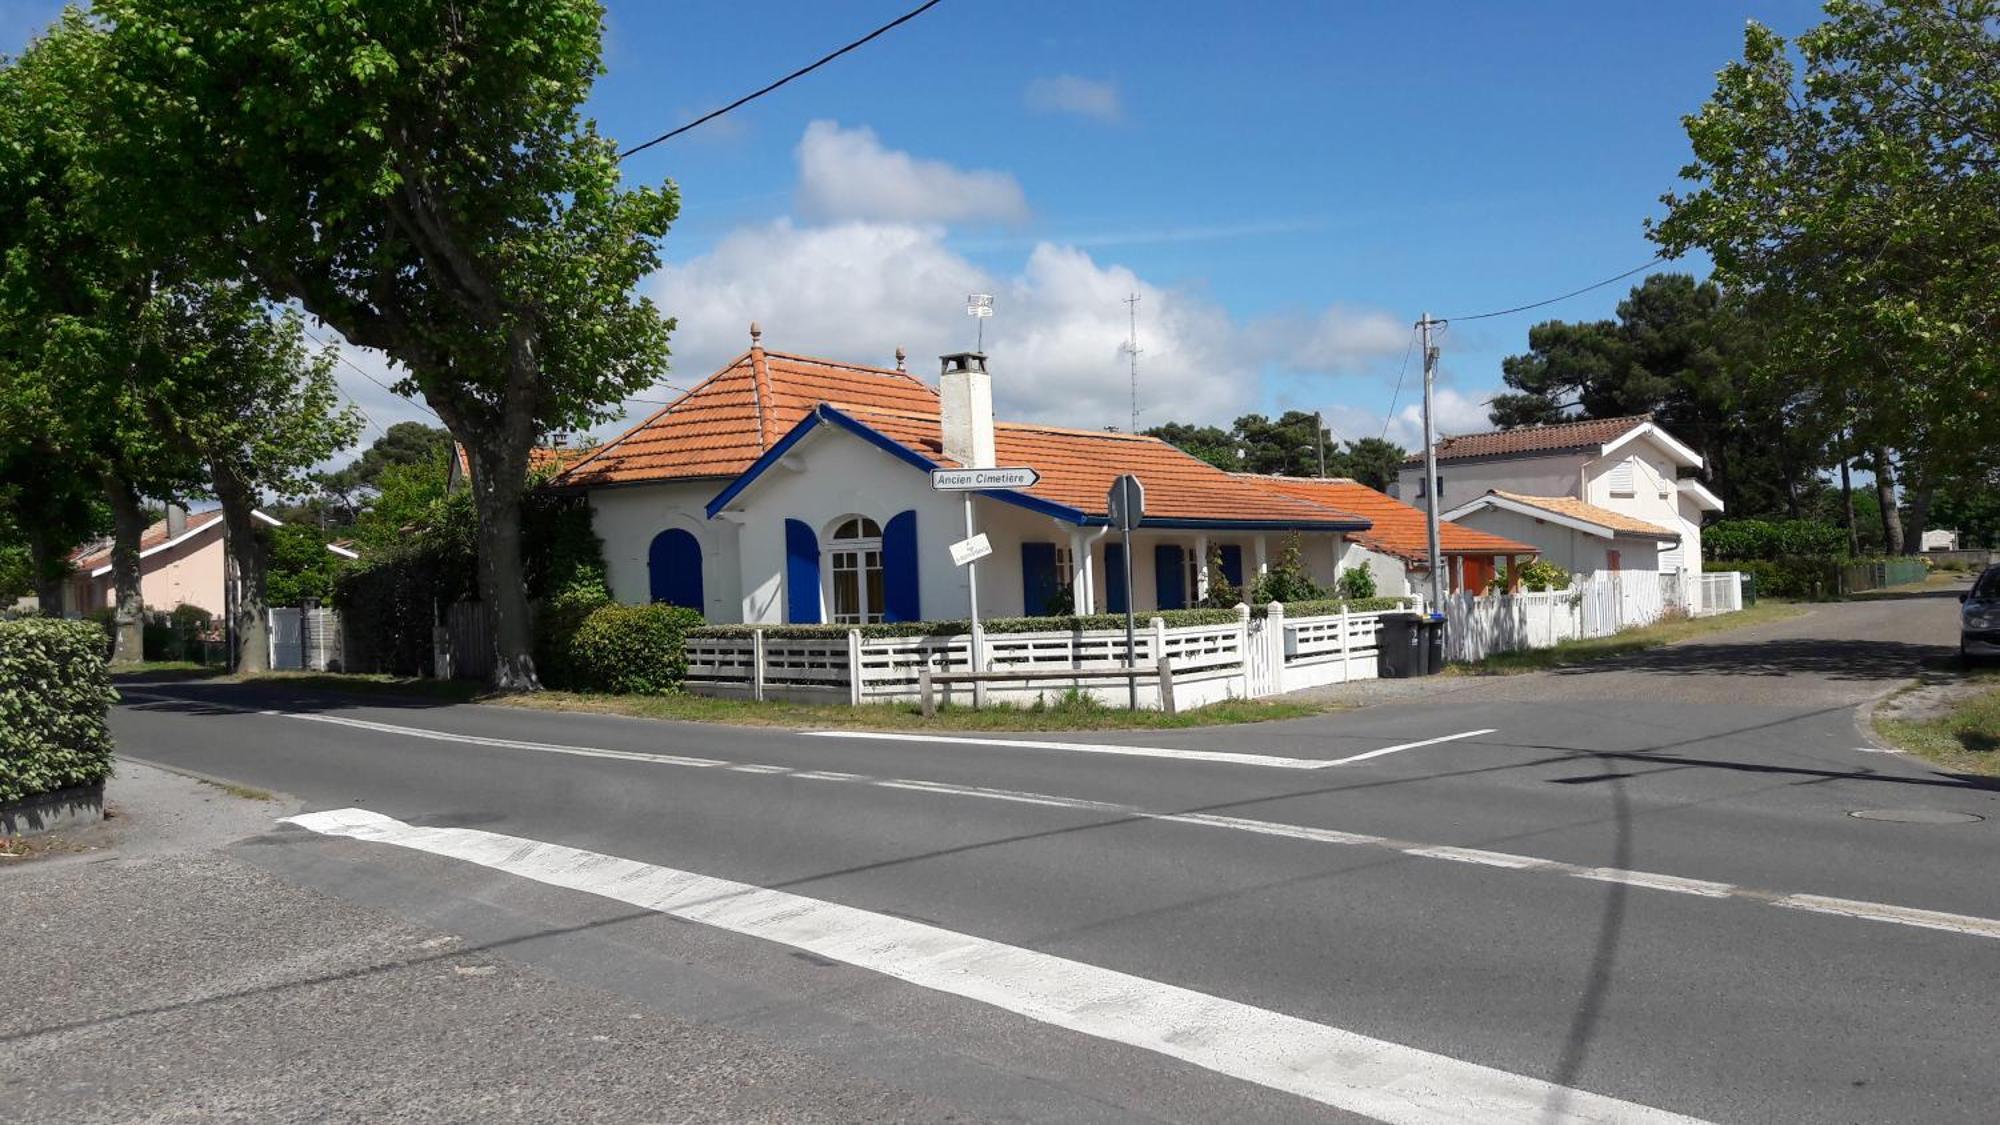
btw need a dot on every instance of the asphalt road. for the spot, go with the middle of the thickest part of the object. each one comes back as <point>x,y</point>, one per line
<point>1639,886</point>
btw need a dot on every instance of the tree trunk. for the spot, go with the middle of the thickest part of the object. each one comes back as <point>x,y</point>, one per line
<point>250,624</point>
<point>499,479</point>
<point>1919,491</point>
<point>49,572</point>
<point>1885,492</point>
<point>128,615</point>
<point>1847,505</point>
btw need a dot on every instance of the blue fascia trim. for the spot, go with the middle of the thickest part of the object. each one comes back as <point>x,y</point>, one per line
<point>1191,524</point>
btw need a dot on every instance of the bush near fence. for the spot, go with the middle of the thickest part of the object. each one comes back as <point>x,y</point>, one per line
<point>1771,540</point>
<point>1820,577</point>
<point>624,649</point>
<point>54,694</point>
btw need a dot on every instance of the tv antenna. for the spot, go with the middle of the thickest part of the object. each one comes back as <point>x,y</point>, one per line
<point>1132,349</point>
<point>979,306</point>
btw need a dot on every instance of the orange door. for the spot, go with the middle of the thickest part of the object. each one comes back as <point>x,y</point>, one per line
<point>1611,562</point>
<point>1478,573</point>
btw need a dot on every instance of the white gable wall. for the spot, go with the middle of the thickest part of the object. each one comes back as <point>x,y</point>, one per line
<point>628,517</point>
<point>1466,480</point>
<point>1578,552</point>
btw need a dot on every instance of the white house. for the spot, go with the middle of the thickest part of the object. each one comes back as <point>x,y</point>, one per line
<point>1605,494</point>
<point>789,489</point>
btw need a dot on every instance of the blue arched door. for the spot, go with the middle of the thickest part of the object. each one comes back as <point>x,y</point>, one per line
<point>674,567</point>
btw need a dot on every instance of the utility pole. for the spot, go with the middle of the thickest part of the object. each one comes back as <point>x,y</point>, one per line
<point>1132,349</point>
<point>1319,443</point>
<point>1431,465</point>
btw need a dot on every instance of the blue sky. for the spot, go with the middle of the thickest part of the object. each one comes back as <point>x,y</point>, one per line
<point>1287,185</point>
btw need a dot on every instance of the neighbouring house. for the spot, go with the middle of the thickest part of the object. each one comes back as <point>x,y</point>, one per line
<point>1397,548</point>
<point>1604,494</point>
<point>541,459</point>
<point>1935,539</point>
<point>182,561</point>
<point>789,489</point>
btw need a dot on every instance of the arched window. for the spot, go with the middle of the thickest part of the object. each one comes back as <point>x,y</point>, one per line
<point>854,570</point>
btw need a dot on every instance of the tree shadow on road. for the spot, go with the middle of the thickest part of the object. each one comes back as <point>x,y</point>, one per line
<point>1842,660</point>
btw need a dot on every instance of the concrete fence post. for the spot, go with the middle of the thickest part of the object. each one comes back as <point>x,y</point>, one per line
<point>757,673</point>
<point>977,654</point>
<point>1346,643</point>
<point>1274,648</point>
<point>854,666</point>
<point>1243,646</point>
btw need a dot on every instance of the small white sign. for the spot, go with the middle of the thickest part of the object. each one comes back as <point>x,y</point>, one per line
<point>971,480</point>
<point>979,304</point>
<point>971,550</point>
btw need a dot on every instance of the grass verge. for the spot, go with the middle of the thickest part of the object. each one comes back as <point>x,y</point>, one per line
<point>1628,641</point>
<point>1059,714</point>
<point>1964,736</point>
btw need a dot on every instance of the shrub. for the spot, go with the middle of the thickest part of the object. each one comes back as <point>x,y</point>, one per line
<point>1356,583</point>
<point>1222,593</point>
<point>1803,577</point>
<point>556,622</point>
<point>629,649</point>
<point>1323,607</point>
<point>1287,580</point>
<point>177,635</point>
<point>1541,574</point>
<point>1773,539</point>
<point>54,693</point>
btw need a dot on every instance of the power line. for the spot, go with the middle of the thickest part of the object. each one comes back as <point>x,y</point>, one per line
<point>1400,372</point>
<point>363,372</point>
<point>1564,297</point>
<point>799,73</point>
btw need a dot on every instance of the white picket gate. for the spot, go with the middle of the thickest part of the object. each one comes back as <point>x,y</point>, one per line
<point>287,639</point>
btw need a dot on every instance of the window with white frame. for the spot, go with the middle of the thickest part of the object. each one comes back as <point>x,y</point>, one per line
<point>1621,479</point>
<point>854,571</point>
<point>1065,566</point>
<point>1191,564</point>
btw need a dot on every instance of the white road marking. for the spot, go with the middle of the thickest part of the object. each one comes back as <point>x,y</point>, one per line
<point>1871,911</point>
<point>1478,855</point>
<point>1406,746</point>
<point>1273,761</point>
<point>1875,750</point>
<point>1902,915</point>
<point>1656,882</point>
<point>1387,1081</point>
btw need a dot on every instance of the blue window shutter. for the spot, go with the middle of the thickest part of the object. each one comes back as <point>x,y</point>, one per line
<point>1232,564</point>
<point>899,568</point>
<point>673,565</point>
<point>1169,580</point>
<point>1114,577</point>
<point>801,574</point>
<point>1038,577</point>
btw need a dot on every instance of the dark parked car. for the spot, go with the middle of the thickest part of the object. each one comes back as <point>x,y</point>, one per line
<point>1979,617</point>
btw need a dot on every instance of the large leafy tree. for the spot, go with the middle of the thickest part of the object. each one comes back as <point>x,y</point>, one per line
<point>72,356</point>
<point>1851,181</point>
<point>1687,353</point>
<point>417,175</point>
<point>237,390</point>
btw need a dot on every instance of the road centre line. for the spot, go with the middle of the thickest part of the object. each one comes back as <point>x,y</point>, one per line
<point>1223,756</point>
<point>1963,924</point>
<point>1344,1069</point>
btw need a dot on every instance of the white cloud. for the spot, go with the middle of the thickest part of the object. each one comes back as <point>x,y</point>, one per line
<point>1067,93</point>
<point>858,290</point>
<point>848,174</point>
<point>1457,413</point>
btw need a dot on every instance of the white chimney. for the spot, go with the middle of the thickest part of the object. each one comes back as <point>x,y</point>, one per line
<point>177,521</point>
<point>965,409</point>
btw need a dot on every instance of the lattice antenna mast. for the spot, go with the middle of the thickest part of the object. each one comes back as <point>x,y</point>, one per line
<point>1132,350</point>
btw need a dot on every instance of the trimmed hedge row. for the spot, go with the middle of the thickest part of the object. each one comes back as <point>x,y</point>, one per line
<point>1807,578</point>
<point>1772,540</point>
<point>54,694</point>
<point>1176,618</point>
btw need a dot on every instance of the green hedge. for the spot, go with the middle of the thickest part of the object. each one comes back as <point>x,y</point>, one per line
<point>1807,578</point>
<point>54,693</point>
<point>1772,540</point>
<point>621,649</point>
<point>1326,606</point>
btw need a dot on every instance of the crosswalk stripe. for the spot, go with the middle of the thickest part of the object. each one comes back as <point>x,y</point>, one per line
<point>1387,1081</point>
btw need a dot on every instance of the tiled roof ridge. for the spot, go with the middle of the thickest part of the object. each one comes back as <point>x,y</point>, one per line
<point>824,361</point>
<point>760,393</point>
<point>1568,505</point>
<point>1545,427</point>
<point>1074,431</point>
<point>1288,476</point>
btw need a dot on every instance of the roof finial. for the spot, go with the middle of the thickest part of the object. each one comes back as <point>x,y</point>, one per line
<point>902,358</point>
<point>756,335</point>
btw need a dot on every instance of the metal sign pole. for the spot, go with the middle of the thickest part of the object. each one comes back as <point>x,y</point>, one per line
<point>1131,665</point>
<point>972,595</point>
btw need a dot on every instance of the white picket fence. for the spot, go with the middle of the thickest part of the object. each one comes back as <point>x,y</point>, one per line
<point>1244,659</point>
<point>1595,606</point>
<point>305,640</point>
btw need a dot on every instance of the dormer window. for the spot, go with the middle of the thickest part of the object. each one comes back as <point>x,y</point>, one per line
<point>1622,480</point>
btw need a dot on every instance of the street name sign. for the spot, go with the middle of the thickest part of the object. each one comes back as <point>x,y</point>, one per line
<point>974,480</point>
<point>971,550</point>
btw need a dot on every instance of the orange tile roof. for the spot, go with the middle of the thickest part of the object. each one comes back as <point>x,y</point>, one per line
<point>721,426</point>
<point>1589,433</point>
<point>1399,528</point>
<point>729,419</point>
<point>92,555</point>
<point>1589,513</point>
